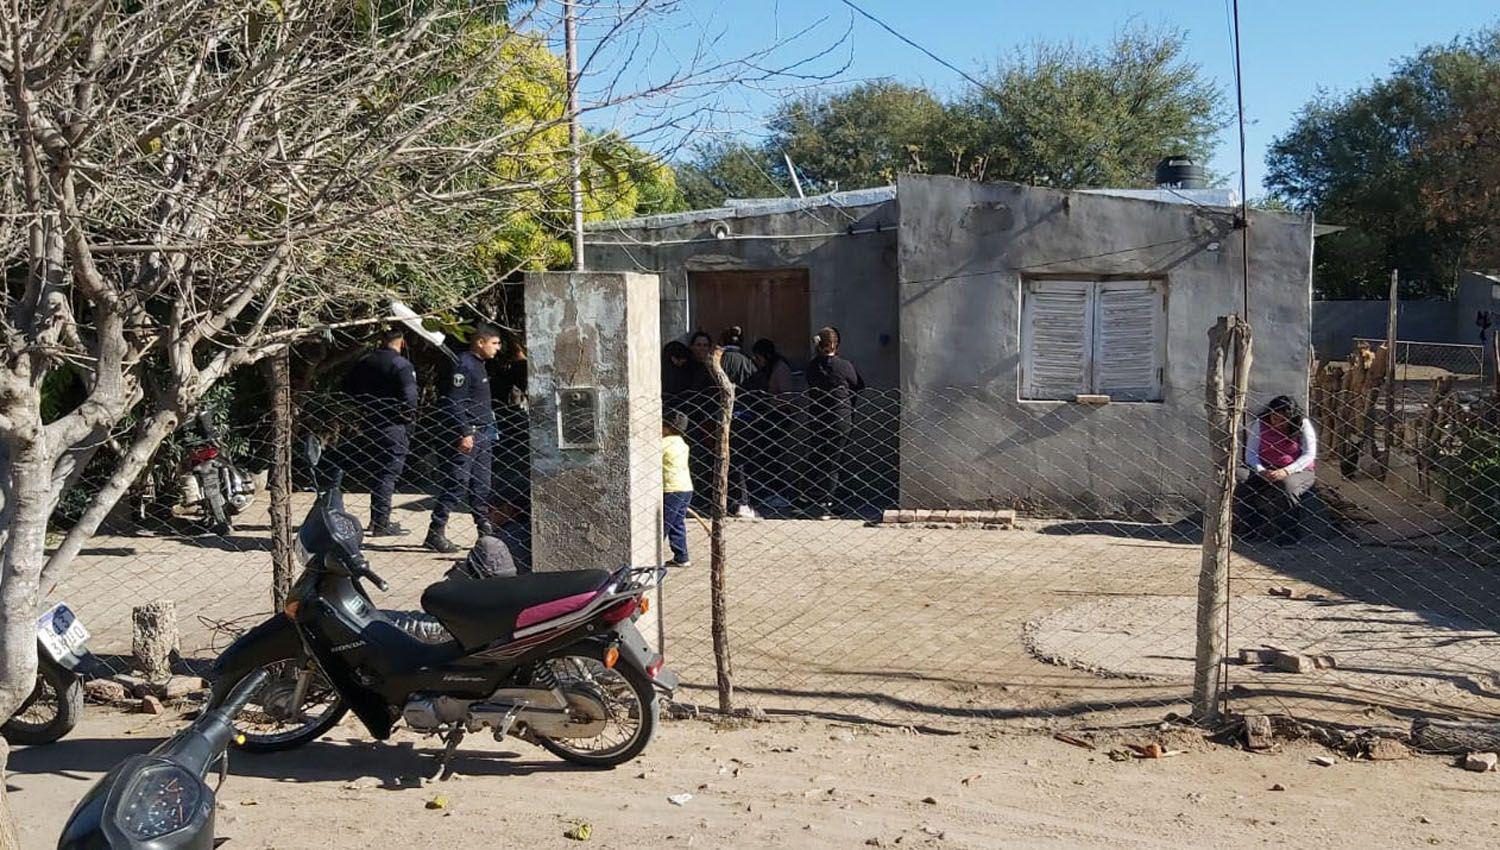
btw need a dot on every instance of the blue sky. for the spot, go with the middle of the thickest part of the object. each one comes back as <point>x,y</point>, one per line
<point>1291,49</point>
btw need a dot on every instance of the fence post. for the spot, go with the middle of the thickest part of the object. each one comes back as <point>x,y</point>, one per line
<point>1225,407</point>
<point>1390,377</point>
<point>279,479</point>
<point>716,534</point>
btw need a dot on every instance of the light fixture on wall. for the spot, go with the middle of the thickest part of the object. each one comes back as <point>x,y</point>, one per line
<point>719,228</point>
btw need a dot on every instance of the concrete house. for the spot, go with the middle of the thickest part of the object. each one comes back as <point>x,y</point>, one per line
<point>989,313</point>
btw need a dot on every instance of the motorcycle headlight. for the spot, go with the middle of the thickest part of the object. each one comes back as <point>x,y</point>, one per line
<point>162,799</point>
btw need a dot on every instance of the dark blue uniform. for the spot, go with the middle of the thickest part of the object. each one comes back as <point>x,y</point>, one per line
<point>385,385</point>
<point>466,405</point>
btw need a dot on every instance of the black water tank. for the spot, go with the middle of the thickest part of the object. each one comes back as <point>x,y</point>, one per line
<point>1180,172</point>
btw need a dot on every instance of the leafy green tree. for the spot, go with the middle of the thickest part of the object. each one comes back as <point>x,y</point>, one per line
<point>857,138</point>
<point>729,169</point>
<point>1069,117</point>
<point>1058,115</point>
<point>1389,162</point>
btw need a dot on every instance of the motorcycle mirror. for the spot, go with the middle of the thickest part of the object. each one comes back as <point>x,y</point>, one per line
<point>312,449</point>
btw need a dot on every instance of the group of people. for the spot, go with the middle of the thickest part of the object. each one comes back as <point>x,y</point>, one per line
<point>762,429</point>
<point>384,382</point>
<point>1279,462</point>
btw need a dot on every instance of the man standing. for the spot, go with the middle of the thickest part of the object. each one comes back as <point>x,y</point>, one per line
<point>385,385</point>
<point>471,426</point>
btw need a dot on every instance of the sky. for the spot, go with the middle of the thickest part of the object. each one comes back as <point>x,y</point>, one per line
<point>1291,50</point>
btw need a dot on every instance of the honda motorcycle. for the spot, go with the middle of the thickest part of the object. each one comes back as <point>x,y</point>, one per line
<point>552,658</point>
<point>159,801</point>
<point>223,491</point>
<point>56,703</point>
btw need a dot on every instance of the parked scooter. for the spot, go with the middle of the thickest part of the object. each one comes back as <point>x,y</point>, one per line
<point>159,801</point>
<point>223,491</point>
<point>552,658</point>
<point>56,704</point>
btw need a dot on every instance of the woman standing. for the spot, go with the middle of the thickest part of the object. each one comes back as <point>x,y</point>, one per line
<point>832,383</point>
<point>770,390</point>
<point>1281,450</point>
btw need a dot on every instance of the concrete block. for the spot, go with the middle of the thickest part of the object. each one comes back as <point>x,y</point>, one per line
<point>1288,662</point>
<point>1481,762</point>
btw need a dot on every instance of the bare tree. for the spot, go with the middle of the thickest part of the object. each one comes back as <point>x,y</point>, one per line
<point>193,185</point>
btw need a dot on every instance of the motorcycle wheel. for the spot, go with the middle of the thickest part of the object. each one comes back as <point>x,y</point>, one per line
<point>215,511</point>
<point>630,704</point>
<point>52,710</point>
<point>270,725</point>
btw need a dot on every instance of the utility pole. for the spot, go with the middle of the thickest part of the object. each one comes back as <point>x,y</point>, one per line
<point>570,34</point>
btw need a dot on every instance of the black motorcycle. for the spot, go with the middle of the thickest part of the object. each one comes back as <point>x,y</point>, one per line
<point>552,658</point>
<point>159,801</point>
<point>56,703</point>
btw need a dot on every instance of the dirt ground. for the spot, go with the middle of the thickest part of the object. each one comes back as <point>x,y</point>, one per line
<point>804,783</point>
<point>1050,624</point>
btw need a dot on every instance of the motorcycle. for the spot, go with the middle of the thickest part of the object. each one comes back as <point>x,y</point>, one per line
<point>56,703</point>
<point>159,801</point>
<point>551,658</point>
<point>220,488</point>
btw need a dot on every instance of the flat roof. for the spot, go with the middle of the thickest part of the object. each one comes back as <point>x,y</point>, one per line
<point>750,207</point>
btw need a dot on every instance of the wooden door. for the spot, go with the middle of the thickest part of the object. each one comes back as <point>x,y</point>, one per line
<point>770,303</point>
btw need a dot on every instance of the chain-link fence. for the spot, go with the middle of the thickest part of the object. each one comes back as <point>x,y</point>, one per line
<point>926,558</point>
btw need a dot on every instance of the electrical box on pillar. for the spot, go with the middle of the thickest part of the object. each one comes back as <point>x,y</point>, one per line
<point>578,418</point>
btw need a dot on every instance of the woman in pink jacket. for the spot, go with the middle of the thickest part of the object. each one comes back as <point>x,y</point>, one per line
<point>1281,450</point>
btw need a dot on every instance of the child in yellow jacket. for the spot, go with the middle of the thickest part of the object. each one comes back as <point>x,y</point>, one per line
<point>676,486</point>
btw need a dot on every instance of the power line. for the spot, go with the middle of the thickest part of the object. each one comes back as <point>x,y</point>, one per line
<point>1239,95</point>
<point>930,55</point>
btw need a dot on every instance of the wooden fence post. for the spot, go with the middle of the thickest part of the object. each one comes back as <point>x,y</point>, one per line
<point>1390,377</point>
<point>1225,407</point>
<point>717,553</point>
<point>279,480</point>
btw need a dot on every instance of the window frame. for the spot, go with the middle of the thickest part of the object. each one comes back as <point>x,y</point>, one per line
<point>1093,316</point>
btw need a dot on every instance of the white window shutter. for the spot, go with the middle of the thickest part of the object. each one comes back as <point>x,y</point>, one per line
<point>1128,338</point>
<point>1055,344</point>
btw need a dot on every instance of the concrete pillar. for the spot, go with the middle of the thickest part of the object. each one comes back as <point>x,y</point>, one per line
<point>595,467</point>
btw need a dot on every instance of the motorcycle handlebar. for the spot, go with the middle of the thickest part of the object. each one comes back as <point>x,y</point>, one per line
<point>361,569</point>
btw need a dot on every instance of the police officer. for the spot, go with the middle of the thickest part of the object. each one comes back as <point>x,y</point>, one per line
<point>471,420</point>
<point>385,385</point>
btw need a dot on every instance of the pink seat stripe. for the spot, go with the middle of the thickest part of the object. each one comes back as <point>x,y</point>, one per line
<point>555,608</point>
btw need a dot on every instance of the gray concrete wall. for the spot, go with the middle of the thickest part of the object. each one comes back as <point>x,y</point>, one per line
<point>1336,324</point>
<point>966,438</point>
<point>852,278</point>
<point>1476,292</point>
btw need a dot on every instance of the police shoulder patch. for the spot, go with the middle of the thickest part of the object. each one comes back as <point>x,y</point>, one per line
<point>458,379</point>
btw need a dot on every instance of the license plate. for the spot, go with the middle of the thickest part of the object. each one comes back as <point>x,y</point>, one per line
<point>61,633</point>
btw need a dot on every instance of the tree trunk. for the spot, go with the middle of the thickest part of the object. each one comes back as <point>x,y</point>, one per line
<point>28,504</point>
<point>9,838</point>
<point>717,551</point>
<point>279,481</point>
<point>1229,341</point>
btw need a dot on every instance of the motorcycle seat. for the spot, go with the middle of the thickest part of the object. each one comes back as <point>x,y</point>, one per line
<point>480,611</point>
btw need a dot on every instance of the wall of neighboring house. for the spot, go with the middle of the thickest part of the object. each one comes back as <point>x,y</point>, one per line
<point>966,250</point>
<point>1336,324</point>
<point>852,278</point>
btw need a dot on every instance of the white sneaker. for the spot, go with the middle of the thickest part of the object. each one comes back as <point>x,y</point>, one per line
<point>746,512</point>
